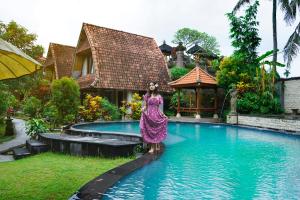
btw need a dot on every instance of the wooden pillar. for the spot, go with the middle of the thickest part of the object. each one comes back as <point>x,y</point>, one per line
<point>198,97</point>
<point>216,103</point>
<point>178,104</point>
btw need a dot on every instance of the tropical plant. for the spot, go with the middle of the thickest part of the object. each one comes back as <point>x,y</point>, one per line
<point>91,108</point>
<point>50,114</point>
<point>134,107</point>
<point>234,70</point>
<point>244,33</point>
<point>264,103</point>
<point>178,72</point>
<point>289,8</point>
<point>174,100</point>
<point>4,97</point>
<point>189,36</point>
<point>32,107</point>
<point>35,126</point>
<point>66,98</point>
<point>108,110</point>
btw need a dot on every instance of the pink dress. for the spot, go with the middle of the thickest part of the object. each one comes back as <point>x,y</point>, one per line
<point>153,124</point>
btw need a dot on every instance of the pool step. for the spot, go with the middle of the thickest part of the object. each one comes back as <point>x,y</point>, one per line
<point>19,153</point>
<point>36,147</point>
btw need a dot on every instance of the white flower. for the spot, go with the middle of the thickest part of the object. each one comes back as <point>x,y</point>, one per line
<point>156,85</point>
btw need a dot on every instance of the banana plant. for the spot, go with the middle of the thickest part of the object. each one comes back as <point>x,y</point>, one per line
<point>262,62</point>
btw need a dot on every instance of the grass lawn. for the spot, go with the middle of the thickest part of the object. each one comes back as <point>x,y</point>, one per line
<point>2,132</point>
<point>50,176</point>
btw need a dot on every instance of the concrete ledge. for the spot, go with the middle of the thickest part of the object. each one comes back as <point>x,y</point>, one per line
<point>98,186</point>
<point>286,125</point>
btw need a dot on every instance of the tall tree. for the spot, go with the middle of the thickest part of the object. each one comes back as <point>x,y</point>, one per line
<point>21,38</point>
<point>289,8</point>
<point>189,36</point>
<point>244,33</point>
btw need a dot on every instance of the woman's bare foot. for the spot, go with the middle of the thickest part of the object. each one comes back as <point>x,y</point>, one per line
<point>151,149</point>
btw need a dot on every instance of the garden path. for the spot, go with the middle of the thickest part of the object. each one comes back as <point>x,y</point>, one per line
<point>20,139</point>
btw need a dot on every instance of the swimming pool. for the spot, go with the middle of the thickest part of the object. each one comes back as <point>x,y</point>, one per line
<point>206,161</point>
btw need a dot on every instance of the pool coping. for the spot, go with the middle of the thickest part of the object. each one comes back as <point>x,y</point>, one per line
<point>96,188</point>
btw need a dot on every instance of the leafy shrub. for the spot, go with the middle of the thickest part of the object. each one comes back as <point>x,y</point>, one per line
<point>135,105</point>
<point>4,96</point>
<point>44,90</point>
<point>265,103</point>
<point>91,108</point>
<point>35,126</point>
<point>50,113</point>
<point>177,72</point>
<point>249,103</point>
<point>108,110</point>
<point>32,106</point>
<point>66,98</point>
<point>97,107</point>
<point>174,99</point>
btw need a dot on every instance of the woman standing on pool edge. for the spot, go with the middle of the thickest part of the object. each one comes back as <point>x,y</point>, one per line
<point>153,122</point>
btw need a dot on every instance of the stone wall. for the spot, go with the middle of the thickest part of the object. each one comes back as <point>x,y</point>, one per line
<point>264,122</point>
<point>291,94</point>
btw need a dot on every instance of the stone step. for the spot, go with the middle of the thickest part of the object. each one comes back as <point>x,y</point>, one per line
<point>19,153</point>
<point>35,146</point>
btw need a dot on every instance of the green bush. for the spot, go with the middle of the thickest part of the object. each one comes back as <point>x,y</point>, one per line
<point>66,98</point>
<point>174,99</point>
<point>4,97</point>
<point>32,106</point>
<point>50,113</point>
<point>177,72</point>
<point>254,103</point>
<point>109,111</point>
<point>249,103</point>
<point>35,126</point>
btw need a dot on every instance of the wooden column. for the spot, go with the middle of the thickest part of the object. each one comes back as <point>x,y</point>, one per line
<point>216,100</point>
<point>198,116</point>
<point>178,104</point>
<point>216,103</point>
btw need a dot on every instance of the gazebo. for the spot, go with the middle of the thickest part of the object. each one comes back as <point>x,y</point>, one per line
<point>196,79</point>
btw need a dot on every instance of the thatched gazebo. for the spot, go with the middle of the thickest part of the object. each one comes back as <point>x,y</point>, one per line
<point>197,79</point>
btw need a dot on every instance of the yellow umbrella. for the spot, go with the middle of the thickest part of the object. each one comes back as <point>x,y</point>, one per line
<point>14,62</point>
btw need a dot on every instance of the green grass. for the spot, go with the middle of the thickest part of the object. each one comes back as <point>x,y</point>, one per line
<point>50,176</point>
<point>4,138</point>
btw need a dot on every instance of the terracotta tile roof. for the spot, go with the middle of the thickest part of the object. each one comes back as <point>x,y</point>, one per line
<point>61,56</point>
<point>194,77</point>
<point>126,61</point>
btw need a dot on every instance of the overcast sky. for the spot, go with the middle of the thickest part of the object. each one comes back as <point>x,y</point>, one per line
<point>60,21</point>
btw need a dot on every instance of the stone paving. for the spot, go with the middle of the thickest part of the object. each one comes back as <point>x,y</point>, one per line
<point>20,139</point>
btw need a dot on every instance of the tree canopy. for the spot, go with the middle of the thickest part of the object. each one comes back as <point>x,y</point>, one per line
<point>21,38</point>
<point>190,36</point>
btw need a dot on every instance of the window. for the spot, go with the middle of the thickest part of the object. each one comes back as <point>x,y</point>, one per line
<point>88,66</point>
<point>84,67</point>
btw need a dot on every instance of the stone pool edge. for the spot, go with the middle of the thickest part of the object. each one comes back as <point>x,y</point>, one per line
<point>96,188</point>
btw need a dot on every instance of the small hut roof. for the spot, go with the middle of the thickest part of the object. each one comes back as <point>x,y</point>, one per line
<point>165,48</point>
<point>196,49</point>
<point>62,57</point>
<point>196,77</point>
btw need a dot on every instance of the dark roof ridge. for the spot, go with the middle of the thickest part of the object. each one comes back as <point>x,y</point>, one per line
<point>62,44</point>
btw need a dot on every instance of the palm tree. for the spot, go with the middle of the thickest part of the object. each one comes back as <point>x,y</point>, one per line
<point>289,8</point>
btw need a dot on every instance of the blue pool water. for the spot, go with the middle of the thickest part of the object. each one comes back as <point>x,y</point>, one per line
<point>203,161</point>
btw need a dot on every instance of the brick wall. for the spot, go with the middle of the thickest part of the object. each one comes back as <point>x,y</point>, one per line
<point>264,122</point>
<point>291,94</point>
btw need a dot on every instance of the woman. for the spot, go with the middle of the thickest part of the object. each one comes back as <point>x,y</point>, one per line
<point>153,123</point>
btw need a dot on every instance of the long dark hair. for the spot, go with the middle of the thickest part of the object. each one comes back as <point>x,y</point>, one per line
<point>155,91</point>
